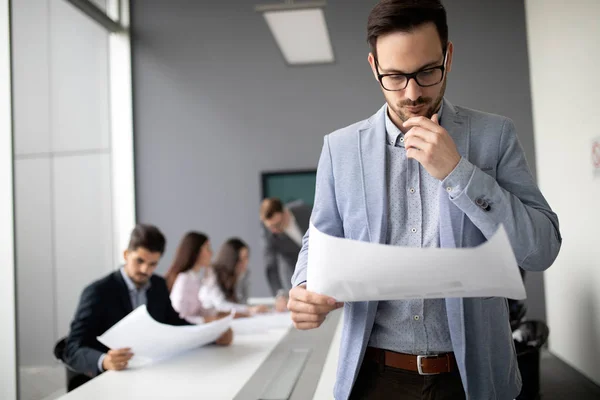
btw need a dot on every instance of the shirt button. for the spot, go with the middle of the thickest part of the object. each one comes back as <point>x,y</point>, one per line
<point>402,139</point>
<point>417,317</point>
<point>412,190</point>
<point>414,230</point>
<point>448,189</point>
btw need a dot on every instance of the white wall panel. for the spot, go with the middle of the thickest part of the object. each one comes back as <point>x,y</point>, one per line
<point>82,233</point>
<point>78,80</point>
<point>35,274</point>
<point>564,50</point>
<point>30,76</point>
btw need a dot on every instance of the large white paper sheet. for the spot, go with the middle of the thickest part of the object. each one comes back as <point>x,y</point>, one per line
<point>350,270</point>
<point>151,341</point>
<point>261,323</point>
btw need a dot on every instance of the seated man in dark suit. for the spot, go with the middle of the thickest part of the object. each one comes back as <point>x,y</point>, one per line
<point>108,300</point>
<point>284,227</point>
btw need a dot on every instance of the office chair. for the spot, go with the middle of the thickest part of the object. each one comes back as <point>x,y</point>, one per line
<point>74,378</point>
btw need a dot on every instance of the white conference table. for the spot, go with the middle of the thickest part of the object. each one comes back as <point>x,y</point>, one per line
<point>211,372</point>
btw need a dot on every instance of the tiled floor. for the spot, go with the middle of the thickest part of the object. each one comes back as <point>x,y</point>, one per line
<point>559,382</point>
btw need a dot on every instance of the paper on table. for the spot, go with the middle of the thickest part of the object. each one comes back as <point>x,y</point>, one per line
<point>261,323</point>
<point>150,340</point>
<point>350,270</point>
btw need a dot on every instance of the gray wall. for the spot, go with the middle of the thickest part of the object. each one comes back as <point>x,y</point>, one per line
<point>215,105</point>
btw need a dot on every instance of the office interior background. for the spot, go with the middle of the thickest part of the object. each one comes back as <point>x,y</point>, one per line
<point>167,112</point>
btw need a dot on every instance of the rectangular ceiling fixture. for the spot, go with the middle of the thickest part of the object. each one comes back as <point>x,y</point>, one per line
<point>300,31</point>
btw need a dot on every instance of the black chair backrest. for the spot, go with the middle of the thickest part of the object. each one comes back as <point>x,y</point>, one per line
<point>59,349</point>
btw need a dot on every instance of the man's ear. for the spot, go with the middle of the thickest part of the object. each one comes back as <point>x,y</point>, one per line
<point>450,53</point>
<point>371,60</point>
<point>125,254</point>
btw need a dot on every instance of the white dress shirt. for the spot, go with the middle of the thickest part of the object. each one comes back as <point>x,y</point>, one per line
<point>211,296</point>
<point>293,230</point>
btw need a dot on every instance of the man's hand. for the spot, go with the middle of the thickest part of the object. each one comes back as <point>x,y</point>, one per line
<point>431,145</point>
<point>226,338</point>
<point>116,360</point>
<point>281,303</point>
<point>260,309</point>
<point>309,309</point>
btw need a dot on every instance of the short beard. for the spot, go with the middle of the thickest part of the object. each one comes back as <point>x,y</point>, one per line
<point>421,100</point>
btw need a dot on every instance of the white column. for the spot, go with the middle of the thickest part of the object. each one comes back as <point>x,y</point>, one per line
<point>8,354</point>
<point>123,179</point>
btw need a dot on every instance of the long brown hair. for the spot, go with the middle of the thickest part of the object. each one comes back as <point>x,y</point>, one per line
<point>225,267</point>
<point>185,256</point>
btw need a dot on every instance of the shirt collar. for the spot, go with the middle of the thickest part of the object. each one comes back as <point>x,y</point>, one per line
<point>130,285</point>
<point>394,133</point>
<point>292,221</point>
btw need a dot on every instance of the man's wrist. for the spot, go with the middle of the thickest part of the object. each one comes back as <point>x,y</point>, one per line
<point>101,362</point>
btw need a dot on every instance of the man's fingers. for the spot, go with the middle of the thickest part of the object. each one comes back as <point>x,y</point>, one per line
<point>418,155</point>
<point>120,359</point>
<point>307,325</point>
<point>126,355</point>
<point>301,317</point>
<point>424,123</point>
<point>313,298</point>
<point>415,142</point>
<point>120,366</point>
<point>422,133</point>
<point>306,308</point>
<point>119,356</point>
<point>119,351</point>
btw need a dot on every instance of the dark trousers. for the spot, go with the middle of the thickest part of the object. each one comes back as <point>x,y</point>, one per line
<point>376,381</point>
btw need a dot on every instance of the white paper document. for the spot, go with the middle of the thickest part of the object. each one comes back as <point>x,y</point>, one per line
<point>261,323</point>
<point>350,270</point>
<point>151,341</point>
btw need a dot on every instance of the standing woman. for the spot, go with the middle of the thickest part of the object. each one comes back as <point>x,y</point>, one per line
<point>220,289</point>
<point>184,277</point>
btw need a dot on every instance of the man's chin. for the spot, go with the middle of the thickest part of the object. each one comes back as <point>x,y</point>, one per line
<point>141,280</point>
<point>422,112</point>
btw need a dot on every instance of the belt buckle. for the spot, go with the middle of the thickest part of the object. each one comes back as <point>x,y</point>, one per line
<point>420,366</point>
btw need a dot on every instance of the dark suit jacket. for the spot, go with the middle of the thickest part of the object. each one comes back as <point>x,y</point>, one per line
<point>282,247</point>
<point>103,304</point>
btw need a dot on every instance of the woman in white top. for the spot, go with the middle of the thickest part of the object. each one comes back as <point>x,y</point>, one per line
<point>184,278</point>
<point>219,287</point>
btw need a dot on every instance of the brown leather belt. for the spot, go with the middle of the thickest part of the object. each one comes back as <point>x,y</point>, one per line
<point>424,365</point>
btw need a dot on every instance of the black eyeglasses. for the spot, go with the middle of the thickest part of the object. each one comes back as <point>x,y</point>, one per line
<point>424,78</point>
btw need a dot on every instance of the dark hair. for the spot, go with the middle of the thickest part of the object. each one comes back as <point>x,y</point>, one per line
<point>186,256</point>
<point>403,16</point>
<point>147,237</point>
<point>270,207</point>
<point>225,267</point>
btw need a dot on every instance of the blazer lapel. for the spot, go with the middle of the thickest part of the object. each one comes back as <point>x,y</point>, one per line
<point>371,143</point>
<point>123,292</point>
<point>372,158</point>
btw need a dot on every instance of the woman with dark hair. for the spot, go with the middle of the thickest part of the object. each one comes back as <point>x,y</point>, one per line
<point>220,289</point>
<point>184,277</point>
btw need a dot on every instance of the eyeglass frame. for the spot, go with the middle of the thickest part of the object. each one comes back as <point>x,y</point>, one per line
<point>412,75</point>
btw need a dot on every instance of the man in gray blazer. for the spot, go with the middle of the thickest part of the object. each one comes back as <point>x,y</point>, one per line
<point>283,229</point>
<point>422,172</point>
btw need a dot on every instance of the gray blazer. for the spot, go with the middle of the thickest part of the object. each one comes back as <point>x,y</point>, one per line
<point>350,202</point>
<point>281,248</point>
